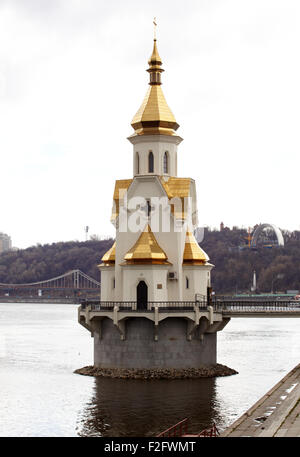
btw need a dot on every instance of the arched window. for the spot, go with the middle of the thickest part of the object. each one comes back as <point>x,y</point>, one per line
<point>187,282</point>
<point>166,162</point>
<point>137,163</point>
<point>150,162</point>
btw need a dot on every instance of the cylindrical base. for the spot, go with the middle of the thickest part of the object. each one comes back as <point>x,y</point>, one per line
<point>139,350</point>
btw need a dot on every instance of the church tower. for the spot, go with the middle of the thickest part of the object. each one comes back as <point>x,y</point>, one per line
<point>153,312</point>
<point>156,257</point>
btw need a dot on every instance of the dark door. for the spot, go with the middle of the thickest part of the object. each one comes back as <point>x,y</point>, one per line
<point>142,295</point>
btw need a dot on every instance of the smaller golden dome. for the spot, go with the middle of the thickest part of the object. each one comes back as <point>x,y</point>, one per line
<point>193,254</point>
<point>109,257</point>
<point>146,250</point>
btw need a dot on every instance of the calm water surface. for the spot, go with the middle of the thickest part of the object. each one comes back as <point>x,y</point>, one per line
<point>41,346</point>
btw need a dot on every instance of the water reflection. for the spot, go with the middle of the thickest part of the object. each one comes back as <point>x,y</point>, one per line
<point>145,408</point>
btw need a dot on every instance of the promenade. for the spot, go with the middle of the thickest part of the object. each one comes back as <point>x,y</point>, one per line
<point>276,414</point>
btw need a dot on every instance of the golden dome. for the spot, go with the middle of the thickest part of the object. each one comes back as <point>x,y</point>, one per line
<point>193,254</point>
<point>109,257</point>
<point>154,116</point>
<point>146,250</point>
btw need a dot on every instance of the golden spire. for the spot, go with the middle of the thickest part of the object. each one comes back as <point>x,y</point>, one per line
<point>154,116</point>
<point>146,250</point>
<point>193,254</point>
<point>155,62</point>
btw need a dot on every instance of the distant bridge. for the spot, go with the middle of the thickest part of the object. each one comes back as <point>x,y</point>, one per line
<point>74,283</point>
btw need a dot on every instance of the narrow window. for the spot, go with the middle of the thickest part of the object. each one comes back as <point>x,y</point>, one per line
<point>148,208</point>
<point>166,162</point>
<point>187,282</point>
<point>137,163</point>
<point>150,162</point>
<point>114,283</point>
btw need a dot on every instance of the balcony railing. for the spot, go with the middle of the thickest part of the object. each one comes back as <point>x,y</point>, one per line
<point>147,307</point>
<point>218,305</point>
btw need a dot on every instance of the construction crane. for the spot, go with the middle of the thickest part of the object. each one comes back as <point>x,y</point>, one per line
<point>249,237</point>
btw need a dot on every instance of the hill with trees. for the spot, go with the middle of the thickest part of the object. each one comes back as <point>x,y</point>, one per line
<point>235,262</point>
<point>227,249</point>
<point>46,261</point>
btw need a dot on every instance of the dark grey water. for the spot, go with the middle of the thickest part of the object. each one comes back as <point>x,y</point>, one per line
<point>41,346</point>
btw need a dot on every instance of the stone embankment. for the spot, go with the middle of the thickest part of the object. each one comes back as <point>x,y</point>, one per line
<point>187,373</point>
<point>276,414</point>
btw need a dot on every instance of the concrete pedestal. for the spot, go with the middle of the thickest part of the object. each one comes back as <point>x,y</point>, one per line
<point>140,350</point>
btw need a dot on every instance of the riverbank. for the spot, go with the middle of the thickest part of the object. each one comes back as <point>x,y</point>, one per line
<point>276,414</point>
<point>188,373</point>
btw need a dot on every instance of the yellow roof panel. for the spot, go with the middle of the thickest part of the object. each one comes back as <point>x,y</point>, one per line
<point>146,249</point>
<point>193,254</point>
<point>121,187</point>
<point>110,255</point>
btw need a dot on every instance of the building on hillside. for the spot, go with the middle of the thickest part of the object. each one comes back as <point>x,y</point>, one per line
<point>5,242</point>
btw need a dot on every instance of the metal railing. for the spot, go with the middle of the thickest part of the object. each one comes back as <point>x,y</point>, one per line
<point>147,307</point>
<point>177,430</point>
<point>181,429</point>
<point>209,432</point>
<point>218,305</point>
<point>267,306</point>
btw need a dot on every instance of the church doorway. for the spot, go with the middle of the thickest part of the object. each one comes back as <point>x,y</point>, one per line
<point>142,295</point>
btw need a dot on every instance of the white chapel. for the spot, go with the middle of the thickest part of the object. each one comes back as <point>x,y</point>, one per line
<point>155,257</point>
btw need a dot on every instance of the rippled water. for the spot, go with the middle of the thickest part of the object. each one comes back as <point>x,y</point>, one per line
<point>41,346</point>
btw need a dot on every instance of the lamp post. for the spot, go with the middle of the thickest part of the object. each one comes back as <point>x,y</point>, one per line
<point>278,276</point>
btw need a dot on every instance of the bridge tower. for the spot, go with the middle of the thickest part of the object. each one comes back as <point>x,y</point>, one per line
<point>155,278</point>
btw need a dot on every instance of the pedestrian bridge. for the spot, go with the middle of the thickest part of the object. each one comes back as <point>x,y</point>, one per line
<point>263,309</point>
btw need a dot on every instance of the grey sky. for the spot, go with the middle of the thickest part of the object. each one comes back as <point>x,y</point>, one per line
<point>72,75</point>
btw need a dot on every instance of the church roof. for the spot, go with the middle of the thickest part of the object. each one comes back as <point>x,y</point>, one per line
<point>121,187</point>
<point>193,254</point>
<point>146,250</point>
<point>154,116</point>
<point>109,257</point>
<point>177,188</point>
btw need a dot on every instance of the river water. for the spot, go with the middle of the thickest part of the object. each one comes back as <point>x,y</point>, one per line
<point>41,346</point>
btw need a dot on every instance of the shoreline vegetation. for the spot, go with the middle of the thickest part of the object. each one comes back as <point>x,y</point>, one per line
<point>211,371</point>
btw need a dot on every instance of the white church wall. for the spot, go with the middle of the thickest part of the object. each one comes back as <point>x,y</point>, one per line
<point>107,283</point>
<point>155,277</point>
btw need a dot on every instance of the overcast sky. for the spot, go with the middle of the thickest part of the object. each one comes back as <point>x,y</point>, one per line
<point>72,76</point>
